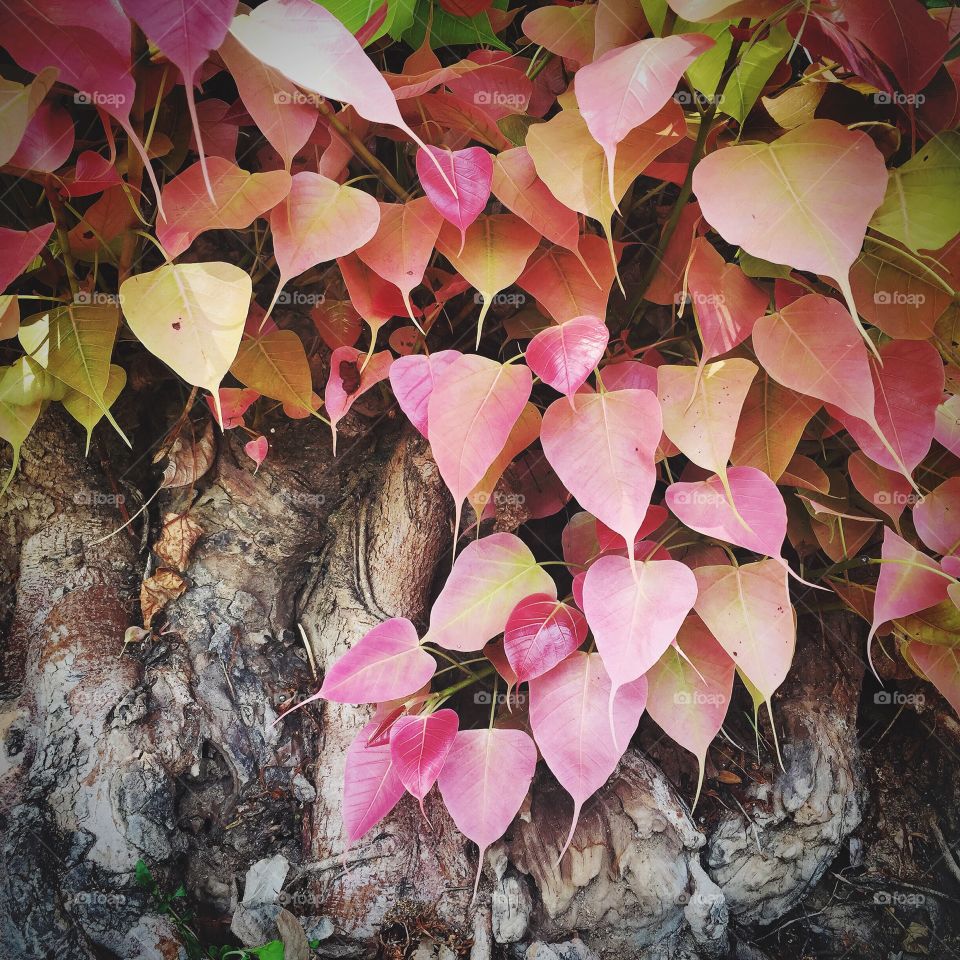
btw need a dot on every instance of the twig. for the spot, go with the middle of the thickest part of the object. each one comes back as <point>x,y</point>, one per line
<point>360,149</point>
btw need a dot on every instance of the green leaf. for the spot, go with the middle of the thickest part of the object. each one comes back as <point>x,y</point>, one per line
<point>920,208</point>
<point>755,68</point>
<point>276,365</point>
<point>269,951</point>
<point>26,382</point>
<point>86,411</point>
<point>353,14</point>
<point>762,269</point>
<point>450,31</point>
<point>80,344</point>
<point>143,875</point>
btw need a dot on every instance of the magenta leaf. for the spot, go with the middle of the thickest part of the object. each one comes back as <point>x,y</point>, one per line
<point>703,506</point>
<point>628,85</point>
<point>747,609</point>
<point>413,378</point>
<point>386,664</point>
<point>540,632</point>
<point>909,581</point>
<point>371,785</point>
<point>565,355</point>
<point>937,518</point>
<point>186,34</point>
<point>484,781</point>
<point>603,452</point>
<point>347,381</point>
<point>419,746</point>
<point>256,450</point>
<point>568,715</point>
<point>17,250</point>
<point>470,172</point>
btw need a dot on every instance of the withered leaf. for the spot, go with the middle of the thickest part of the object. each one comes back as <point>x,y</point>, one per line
<point>189,457</point>
<point>157,591</point>
<point>178,536</point>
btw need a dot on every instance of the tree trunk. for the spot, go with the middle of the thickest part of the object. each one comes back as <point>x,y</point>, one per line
<point>167,750</point>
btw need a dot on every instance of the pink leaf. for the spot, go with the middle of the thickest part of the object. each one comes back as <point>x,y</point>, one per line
<point>747,609</point>
<point>403,244</point>
<point>471,173</point>
<point>18,249</point>
<point>703,506</point>
<point>386,664</point>
<point>419,747</point>
<point>93,174</point>
<point>234,403</point>
<point>319,220</point>
<point>941,667</point>
<point>887,491</point>
<point>689,690</point>
<point>257,450</point>
<point>564,356</point>
<point>347,382</point>
<point>937,518</point>
<point>310,46</point>
<point>568,715</point>
<point>635,612</point>
<point>186,34</point>
<point>413,378</point>
<point>908,388</point>
<point>47,142</point>
<point>484,781</point>
<point>371,786</point>
<point>489,578</point>
<point>517,186</point>
<point>805,199</point>
<point>726,302</point>
<point>242,197</point>
<point>603,452</point>
<point>540,632</point>
<point>474,405</point>
<point>627,86</point>
<point>280,111</point>
<point>909,581</point>
<point>701,408</point>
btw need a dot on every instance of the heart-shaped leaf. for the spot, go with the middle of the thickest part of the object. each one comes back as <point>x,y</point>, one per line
<point>565,355</point>
<point>371,785</point>
<point>635,611</point>
<point>386,664</point>
<point>937,518</point>
<point>275,364</point>
<point>492,257</point>
<point>703,506</point>
<point>319,220</point>
<point>689,690</point>
<point>350,378</point>
<point>241,198</point>
<point>484,781</point>
<point>191,316</point>
<point>471,173</point>
<point>540,632</point>
<point>568,716</point>
<point>603,452</point>
<point>474,405</point>
<point>413,378</point>
<point>805,199</point>
<point>18,248</point>
<point>627,86</point>
<point>489,578</point>
<point>419,747</point>
<point>747,609</point>
<point>402,245</point>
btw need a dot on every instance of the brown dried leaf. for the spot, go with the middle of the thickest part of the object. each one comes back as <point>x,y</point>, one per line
<point>189,457</point>
<point>157,591</point>
<point>179,534</point>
